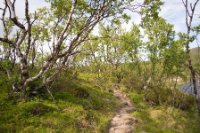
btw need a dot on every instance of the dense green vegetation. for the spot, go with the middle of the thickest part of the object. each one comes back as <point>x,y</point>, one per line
<point>81,106</point>
<point>163,118</point>
<point>61,65</point>
<point>84,105</point>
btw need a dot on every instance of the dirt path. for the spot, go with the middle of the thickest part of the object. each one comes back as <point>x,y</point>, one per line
<point>122,122</point>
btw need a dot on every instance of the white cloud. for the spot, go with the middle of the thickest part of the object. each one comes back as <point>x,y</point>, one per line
<point>174,13</point>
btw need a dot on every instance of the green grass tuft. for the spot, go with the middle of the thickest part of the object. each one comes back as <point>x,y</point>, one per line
<point>80,107</point>
<point>163,118</point>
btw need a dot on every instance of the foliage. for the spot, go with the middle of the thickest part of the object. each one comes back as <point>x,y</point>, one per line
<point>60,64</point>
<point>73,112</point>
<point>162,118</point>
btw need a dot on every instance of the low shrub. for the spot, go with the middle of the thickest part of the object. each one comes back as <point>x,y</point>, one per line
<point>35,109</point>
<point>171,97</point>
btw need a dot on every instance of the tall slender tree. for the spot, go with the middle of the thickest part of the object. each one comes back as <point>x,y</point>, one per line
<point>189,16</point>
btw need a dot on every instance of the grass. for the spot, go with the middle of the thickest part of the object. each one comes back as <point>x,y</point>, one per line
<point>81,108</point>
<point>163,119</point>
<point>83,105</point>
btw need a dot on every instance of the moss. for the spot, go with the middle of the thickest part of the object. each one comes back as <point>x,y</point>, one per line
<point>162,118</point>
<point>80,107</point>
<point>35,108</point>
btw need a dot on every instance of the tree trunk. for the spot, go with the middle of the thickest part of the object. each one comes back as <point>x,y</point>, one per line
<point>194,82</point>
<point>189,14</point>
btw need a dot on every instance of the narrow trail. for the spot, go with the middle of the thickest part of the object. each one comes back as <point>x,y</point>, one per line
<point>122,122</point>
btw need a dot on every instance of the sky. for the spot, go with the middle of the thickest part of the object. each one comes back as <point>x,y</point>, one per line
<point>174,13</point>
<point>172,10</point>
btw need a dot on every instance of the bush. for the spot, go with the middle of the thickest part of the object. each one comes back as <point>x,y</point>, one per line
<point>132,81</point>
<point>171,97</point>
<point>35,108</point>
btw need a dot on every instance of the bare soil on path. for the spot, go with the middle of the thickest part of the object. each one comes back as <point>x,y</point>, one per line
<point>122,122</point>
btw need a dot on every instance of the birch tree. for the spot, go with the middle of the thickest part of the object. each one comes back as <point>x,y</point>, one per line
<point>189,15</point>
<point>62,28</point>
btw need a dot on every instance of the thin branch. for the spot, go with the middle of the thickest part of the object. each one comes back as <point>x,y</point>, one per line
<point>66,27</point>
<point>4,22</point>
<point>29,27</point>
<point>6,40</point>
<point>13,16</point>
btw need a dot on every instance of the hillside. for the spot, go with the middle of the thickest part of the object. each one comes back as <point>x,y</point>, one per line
<point>195,55</point>
<point>99,66</point>
<point>87,104</point>
<point>80,106</point>
<point>195,51</point>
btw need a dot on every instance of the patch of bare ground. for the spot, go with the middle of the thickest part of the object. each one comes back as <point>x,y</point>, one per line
<point>122,122</point>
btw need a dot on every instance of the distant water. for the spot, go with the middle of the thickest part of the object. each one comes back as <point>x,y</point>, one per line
<point>189,88</point>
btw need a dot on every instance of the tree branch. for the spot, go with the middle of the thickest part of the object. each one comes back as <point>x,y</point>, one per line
<point>13,16</point>
<point>6,40</point>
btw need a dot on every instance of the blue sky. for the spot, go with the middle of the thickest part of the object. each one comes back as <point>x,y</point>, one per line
<point>173,11</point>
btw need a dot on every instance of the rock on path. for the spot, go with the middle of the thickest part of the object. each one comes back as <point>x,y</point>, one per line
<point>122,122</point>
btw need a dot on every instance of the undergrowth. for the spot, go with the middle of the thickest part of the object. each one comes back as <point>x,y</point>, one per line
<point>162,118</point>
<point>80,107</point>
